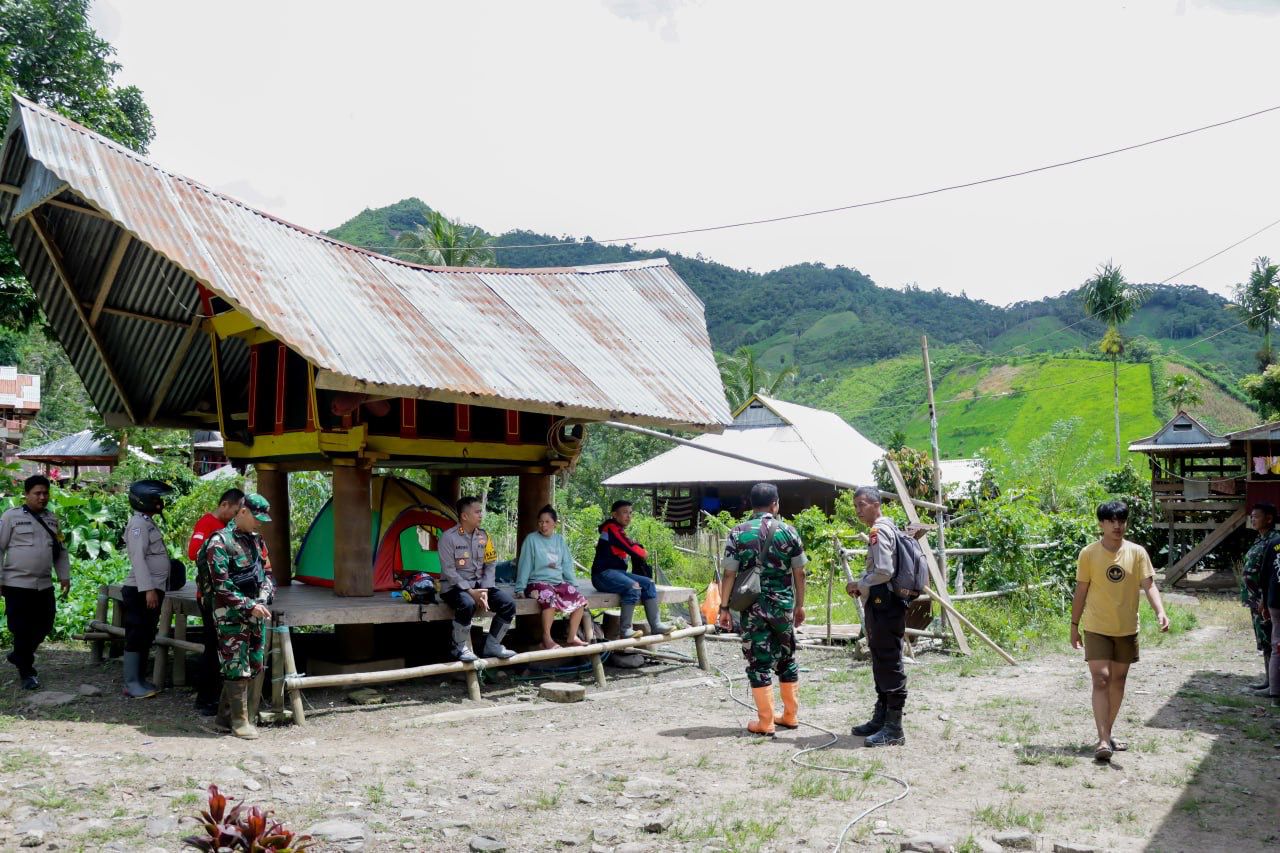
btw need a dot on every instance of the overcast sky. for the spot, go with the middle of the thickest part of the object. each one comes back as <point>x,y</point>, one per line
<point>620,117</point>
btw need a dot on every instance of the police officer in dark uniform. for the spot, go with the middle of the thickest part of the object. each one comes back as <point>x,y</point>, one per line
<point>143,590</point>
<point>31,551</point>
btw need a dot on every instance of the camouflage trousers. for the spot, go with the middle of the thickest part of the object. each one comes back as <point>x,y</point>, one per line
<point>1261,632</point>
<point>241,647</point>
<point>769,639</point>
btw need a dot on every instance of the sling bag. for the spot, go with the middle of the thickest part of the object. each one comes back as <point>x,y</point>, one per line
<point>746,586</point>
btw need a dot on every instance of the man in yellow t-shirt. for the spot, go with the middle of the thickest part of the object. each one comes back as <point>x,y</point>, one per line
<point>1109,574</point>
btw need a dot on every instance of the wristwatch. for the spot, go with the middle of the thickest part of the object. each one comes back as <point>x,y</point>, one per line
<point>724,607</point>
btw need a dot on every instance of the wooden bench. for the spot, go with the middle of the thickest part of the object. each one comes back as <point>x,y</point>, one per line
<point>300,605</point>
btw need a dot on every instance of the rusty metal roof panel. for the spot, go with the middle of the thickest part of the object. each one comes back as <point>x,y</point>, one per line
<point>624,341</point>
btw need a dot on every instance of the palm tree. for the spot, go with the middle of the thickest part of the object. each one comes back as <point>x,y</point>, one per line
<point>441,242</point>
<point>1258,300</point>
<point>1184,392</point>
<point>743,376</point>
<point>1111,299</point>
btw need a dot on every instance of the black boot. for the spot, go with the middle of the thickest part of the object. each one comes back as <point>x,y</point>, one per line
<point>873,725</point>
<point>1263,686</point>
<point>891,734</point>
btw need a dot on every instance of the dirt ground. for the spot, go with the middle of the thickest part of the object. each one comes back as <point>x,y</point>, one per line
<point>660,761</point>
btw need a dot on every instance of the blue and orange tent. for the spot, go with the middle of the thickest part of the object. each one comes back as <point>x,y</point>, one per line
<point>407,520</point>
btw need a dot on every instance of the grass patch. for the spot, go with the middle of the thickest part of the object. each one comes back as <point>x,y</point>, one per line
<point>548,799</point>
<point>736,835</point>
<point>49,797</point>
<point>1008,816</point>
<point>1218,699</point>
<point>20,759</point>
<point>375,794</point>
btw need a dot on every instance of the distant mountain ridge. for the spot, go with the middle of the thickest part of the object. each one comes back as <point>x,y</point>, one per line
<point>827,319</point>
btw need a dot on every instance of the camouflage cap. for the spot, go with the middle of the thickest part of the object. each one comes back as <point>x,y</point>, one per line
<point>258,505</point>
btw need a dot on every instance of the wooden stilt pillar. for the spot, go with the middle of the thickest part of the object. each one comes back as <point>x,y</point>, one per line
<point>353,529</point>
<point>273,484</point>
<point>447,487</point>
<point>535,493</point>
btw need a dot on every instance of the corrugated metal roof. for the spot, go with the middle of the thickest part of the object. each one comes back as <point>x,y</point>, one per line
<point>1262,432</point>
<point>806,439</point>
<point>625,341</point>
<point>80,445</point>
<point>1181,432</point>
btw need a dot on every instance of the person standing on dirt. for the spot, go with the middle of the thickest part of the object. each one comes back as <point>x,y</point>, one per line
<point>143,590</point>
<point>884,621</point>
<point>31,553</point>
<point>1109,574</point>
<point>1260,563</point>
<point>468,582</point>
<point>239,578</point>
<point>773,547</point>
<point>209,687</point>
<point>609,571</point>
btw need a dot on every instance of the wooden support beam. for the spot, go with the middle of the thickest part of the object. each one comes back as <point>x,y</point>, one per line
<point>171,372</point>
<point>535,493</point>
<point>60,272</point>
<point>939,582</point>
<point>79,208</point>
<point>353,528</point>
<point>273,484</point>
<point>1175,572</point>
<point>109,274</point>
<point>134,315</point>
<point>447,487</point>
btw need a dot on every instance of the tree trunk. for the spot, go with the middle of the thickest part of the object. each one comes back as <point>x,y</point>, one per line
<point>1115,402</point>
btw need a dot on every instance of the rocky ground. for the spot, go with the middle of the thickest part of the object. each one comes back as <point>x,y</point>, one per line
<point>660,761</point>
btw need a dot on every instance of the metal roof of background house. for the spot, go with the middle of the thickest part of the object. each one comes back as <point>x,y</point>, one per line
<point>769,430</point>
<point>81,447</point>
<point>1181,432</point>
<point>623,341</point>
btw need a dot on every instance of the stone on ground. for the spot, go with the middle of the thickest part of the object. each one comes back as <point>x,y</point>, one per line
<point>51,698</point>
<point>1015,839</point>
<point>366,696</point>
<point>562,691</point>
<point>1073,847</point>
<point>161,825</point>
<point>486,844</point>
<point>348,836</point>
<point>659,822</point>
<point>930,843</point>
<point>90,690</point>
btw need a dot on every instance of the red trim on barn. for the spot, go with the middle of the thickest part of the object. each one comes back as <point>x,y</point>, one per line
<point>513,426</point>
<point>408,418</point>
<point>253,389</point>
<point>278,428</point>
<point>462,422</point>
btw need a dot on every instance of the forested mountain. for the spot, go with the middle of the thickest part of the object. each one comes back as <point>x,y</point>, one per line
<point>827,319</point>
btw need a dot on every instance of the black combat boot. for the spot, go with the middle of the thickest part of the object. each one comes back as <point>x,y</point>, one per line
<point>1264,686</point>
<point>891,734</point>
<point>873,725</point>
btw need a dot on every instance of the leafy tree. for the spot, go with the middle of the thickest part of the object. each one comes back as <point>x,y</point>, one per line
<point>1258,299</point>
<point>1184,391</point>
<point>1264,388</point>
<point>743,376</point>
<point>442,242</point>
<point>1111,299</point>
<point>917,472</point>
<point>50,54</point>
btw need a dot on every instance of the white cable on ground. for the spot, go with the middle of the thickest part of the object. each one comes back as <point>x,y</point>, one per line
<point>795,759</point>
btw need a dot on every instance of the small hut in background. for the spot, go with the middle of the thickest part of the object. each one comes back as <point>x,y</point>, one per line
<point>68,458</point>
<point>685,481</point>
<point>19,405</point>
<point>207,452</point>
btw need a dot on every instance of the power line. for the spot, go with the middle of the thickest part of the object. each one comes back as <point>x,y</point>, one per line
<point>887,200</point>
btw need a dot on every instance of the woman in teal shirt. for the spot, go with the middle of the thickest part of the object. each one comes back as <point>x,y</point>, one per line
<point>545,574</point>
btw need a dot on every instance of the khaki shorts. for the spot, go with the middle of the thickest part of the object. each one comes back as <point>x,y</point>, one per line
<point>1105,647</point>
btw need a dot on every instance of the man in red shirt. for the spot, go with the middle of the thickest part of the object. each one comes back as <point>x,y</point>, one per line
<point>209,686</point>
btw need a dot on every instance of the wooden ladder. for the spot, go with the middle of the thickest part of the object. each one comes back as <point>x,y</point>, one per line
<point>1211,541</point>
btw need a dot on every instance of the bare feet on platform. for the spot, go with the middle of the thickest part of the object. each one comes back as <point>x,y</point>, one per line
<point>578,641</point>
<point>549,644</point>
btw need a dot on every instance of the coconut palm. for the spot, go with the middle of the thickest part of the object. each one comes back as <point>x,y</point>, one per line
<point>441,242</point>
<point>1111,299</point>
<point>743,376</point>
<point>1184,392</point>
<point>1258,299</point>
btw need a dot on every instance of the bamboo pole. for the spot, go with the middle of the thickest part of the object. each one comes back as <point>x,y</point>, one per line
<point>959,617</point>
<point>995,593</point>
<point>112,630</point>
<point>291,669</point>
<point>307,682</point>
<point>98,648</point>
<point>937,462</point>
<point>831,579</point>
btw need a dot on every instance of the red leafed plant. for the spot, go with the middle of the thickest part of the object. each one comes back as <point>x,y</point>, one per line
<point>242,829</point>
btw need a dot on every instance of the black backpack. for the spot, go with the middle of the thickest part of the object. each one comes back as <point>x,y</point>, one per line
<point>910,568</point>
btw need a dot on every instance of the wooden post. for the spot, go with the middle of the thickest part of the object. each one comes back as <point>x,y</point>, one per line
<point>535,493</point>
<point>831,579</point>
<point>291,668</point>
<point>447,487</point>
<point>99,647</point>
<point>939,515</point>
<point>273,484</point>
<point>699,641</point>
<point>179,656</point>
<point>473,686</point>
<point>277,669</point>
<point>162,650</point>
<point>353,529</point>
<point>597,668</point>
<point>117,621</point>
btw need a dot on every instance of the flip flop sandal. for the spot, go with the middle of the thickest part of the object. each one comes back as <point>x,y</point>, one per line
<point>1119,745</point>
<point>1102,753</point>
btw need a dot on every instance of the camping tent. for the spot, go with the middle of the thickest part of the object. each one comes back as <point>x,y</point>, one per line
<point>407,519</point>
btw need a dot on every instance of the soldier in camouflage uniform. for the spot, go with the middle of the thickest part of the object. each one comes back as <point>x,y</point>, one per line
<point>1259,566</point>
<point>768,626</point>
<point>239,579</point>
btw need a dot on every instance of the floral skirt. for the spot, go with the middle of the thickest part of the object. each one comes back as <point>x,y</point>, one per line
<point>562,596</point>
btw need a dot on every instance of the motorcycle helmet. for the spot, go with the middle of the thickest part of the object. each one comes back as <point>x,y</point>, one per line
<point>148,495</point>
<point>419,588</point>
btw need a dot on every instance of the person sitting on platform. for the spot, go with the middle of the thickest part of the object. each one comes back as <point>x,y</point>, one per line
<point>545,574</point>
<point>467,581</point>
<point>609,571</point>
<point>209,686</point>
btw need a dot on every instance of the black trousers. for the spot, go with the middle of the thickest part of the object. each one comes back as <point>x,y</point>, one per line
<point>30,614</point>
<point>140,622</point>
<point>885,630</point>
<point>501,605</point>
<point>209,685</point>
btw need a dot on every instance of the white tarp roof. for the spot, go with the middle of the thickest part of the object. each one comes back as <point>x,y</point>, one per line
<point>798,437</point>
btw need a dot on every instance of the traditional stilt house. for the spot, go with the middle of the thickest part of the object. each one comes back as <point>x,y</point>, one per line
<point>180,306</point>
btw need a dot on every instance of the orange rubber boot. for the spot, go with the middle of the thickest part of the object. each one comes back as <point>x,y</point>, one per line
<point>764,707</point>
<point>790,705</point>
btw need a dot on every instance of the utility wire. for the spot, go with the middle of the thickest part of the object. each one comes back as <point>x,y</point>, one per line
<point>887,200</point>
